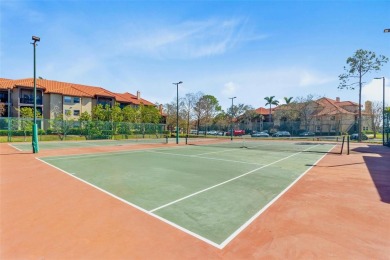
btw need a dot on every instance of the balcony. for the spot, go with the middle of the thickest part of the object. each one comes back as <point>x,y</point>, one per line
<point>30,100</point>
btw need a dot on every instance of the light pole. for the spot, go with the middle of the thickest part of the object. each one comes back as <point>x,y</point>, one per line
<point>177,110</point>
<point>231,121</point>
<point>35,126</point>
<point>383,130</point>
<point>383,111</point>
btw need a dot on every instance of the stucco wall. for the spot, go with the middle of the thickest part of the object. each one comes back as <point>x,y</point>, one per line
<point>55,105</point>
<point>86,105</point>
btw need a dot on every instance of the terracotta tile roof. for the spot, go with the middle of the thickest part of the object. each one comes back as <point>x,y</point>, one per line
<point>329,107</point>
<point>263,111</point>
<point>326,106</point>
<point>125,98</point>
<point>63,88</point>
<point>346,103</point>
<point>29,83</point>
<point>4,84</point>
<point>93,91</point>
<point>72,89</point>
<point>130,98</point>
<point>4,79</point>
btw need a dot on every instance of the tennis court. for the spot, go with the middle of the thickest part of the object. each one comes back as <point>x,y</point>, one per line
<point>206,200</point>
<point>209,191</point>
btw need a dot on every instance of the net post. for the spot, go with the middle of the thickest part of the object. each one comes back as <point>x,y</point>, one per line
<point>166,138</point>
<point>186,139</point>
<point>342,144</point>
<point>348,145</point>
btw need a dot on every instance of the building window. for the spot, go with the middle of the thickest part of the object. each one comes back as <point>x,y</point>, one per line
<point>333,118</point>
<point>76,112</point>
<point>67,112</point>
<point>318,128</point>
<point>76,100</point>
<point>3,97</point>
<point>67,99</point>
<point>104,101</point>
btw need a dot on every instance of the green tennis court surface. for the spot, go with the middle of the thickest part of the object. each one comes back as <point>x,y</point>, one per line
<point>51,145</point>
<point>210,192</point>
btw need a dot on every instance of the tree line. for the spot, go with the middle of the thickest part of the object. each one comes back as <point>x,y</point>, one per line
<point>199,111</point>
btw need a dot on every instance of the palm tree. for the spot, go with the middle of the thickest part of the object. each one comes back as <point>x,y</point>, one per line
<point>270,101</point>
<point>288,100</point>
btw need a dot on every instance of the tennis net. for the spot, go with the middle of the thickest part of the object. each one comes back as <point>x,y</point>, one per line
<point>310,146</point>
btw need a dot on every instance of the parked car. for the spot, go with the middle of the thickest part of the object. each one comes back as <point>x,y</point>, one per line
<point>235,132</point>
<point>307,134</point>
<point>281,134</point>
<point>356,136</point>
<point>212,132</point>
<point>259,134</point>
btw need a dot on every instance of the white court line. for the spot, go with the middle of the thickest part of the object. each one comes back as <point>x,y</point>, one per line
<point>137,207</point>
<point>246,224</point>
<point>16,148</point>
<point>207,158</point>
<point>231,237</point>
<point>222,183</point>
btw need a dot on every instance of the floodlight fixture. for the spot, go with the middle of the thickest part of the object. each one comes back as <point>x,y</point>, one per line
<point>36,39</point>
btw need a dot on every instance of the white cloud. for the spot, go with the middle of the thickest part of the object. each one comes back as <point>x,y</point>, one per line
<point>229,89</point>
<point>190,39</point>
<point>280,79</point>
<point>373,91</point>
<point>309,78</point>
<point>251,85</point>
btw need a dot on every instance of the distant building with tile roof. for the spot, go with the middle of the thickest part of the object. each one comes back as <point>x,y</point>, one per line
<point>327,116</point>
<point>322,116</point>
<point>55,97</point>
<point>264,113</point>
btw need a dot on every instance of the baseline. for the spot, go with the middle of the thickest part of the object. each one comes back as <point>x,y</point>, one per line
<point>137,207</point>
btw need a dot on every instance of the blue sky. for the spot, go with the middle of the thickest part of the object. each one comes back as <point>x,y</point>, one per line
<point>247,49</point>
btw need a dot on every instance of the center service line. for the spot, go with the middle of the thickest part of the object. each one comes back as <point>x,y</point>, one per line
<point>222,183</point>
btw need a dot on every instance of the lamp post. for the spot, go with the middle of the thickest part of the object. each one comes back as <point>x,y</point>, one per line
<point>35,126</point>
<point>383,111</point>
<point>177,110</point>
<point>231,121</point>
<point>383,139</point>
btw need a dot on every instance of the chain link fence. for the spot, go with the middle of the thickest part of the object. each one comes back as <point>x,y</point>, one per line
<point>20,129</point>
<point>294,128</point>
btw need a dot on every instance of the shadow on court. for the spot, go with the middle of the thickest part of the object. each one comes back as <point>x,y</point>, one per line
<point>337,165</point>
<point>14,153</point>
<point>379,168</point>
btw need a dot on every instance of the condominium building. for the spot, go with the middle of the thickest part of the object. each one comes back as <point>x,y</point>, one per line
<point>55,98</point>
